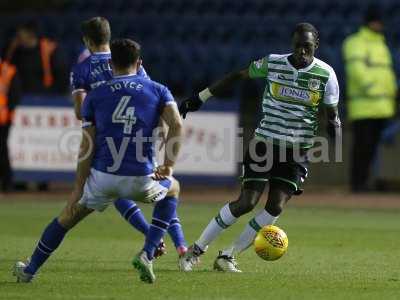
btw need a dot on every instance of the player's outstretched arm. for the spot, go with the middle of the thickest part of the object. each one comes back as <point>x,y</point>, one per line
<point>218,89</point>
<point>173,141</point>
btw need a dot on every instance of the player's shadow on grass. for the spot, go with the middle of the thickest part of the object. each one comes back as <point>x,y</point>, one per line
<point>7,283</point>
<point>92,266</point>
<point>86,261</point>
<point>7,267</point>
<point>165,270</point>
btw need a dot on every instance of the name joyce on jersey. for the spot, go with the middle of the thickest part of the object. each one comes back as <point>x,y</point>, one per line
<point>127,85</point>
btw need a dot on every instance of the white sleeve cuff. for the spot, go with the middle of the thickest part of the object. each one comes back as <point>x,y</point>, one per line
<point>170,103</point>
<point>86,124</point>
<point>78,90</point>
<point>205,94</point>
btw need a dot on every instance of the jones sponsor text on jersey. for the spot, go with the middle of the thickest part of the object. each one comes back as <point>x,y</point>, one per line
<point>288,93</point>
<point>298,94</point>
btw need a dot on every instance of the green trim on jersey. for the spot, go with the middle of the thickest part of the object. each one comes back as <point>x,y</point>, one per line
<point>270,70</point>
<point>277,62</point>
<point>287,111</point>
<point>320,71</point>
<point>264,124</point>
<point>284,143</point>
<point>305,136</point>
<point>292,183</point>
<point>259,68</point>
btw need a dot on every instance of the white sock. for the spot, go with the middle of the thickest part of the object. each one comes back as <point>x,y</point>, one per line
<point>248,235</point>
<point>215,227</point>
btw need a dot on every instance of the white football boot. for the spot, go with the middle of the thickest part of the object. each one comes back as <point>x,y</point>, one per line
<point>19,272</point>
<point>190,259</point>
<point>144,267</point>
<point>225,263</point>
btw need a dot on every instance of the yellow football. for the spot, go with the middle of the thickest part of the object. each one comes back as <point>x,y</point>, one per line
<point>271,242</point>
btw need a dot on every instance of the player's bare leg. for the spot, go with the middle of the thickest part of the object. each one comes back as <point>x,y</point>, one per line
<point>51,238</point>
<point>72,215</point>
<point>279,193</point>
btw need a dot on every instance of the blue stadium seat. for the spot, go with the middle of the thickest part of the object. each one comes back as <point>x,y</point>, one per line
<point>205,38</point>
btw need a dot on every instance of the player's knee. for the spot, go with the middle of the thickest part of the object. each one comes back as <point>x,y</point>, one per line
<point>279,194</point>
<point>71,215</point>
<point>66,219</point>
<point>248,199</point>
<point>246,207</point>
<point>274,208</point>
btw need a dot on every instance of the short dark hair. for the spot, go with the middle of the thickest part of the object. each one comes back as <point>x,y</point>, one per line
<point>97,30</point>
<point>124,52</point>
<point>373,13</point>
<point>306,27</point>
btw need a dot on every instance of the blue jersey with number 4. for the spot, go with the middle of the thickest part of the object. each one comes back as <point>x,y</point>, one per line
<point>94,71</point>
<point>125,111</point>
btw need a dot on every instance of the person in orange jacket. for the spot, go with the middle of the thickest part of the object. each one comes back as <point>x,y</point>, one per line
<point>10,91</point>
<point>39,61</point>
<point>41,67</point>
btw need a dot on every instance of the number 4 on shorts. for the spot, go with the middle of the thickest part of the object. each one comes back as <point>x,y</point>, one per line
<point>128,119</point>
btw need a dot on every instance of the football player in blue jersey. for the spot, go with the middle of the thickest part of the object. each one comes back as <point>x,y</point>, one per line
<point>92,72</point>
<point>116,158</point>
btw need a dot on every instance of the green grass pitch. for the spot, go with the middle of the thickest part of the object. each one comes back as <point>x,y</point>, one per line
<point>334,253</point>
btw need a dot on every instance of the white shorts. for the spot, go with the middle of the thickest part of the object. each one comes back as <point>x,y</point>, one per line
<point>101,189</point>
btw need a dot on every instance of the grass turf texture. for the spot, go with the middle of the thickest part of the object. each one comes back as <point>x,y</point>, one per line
<point>333,254</point>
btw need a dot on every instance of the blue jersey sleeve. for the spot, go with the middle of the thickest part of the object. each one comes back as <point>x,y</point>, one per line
<point>166,97</point>
<point>77,79</point>
<point>87,111</point>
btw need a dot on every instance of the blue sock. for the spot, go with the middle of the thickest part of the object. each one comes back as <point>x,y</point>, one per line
<point>163,212</point>
<point>50,240</point>
<point>176,233</point>
<point>132,213</point>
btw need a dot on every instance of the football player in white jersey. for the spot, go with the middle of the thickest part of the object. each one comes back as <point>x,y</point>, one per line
<point>297,84</point>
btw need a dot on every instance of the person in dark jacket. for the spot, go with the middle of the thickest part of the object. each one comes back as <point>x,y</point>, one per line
<point>39,60</point>
<point>10,92</point>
